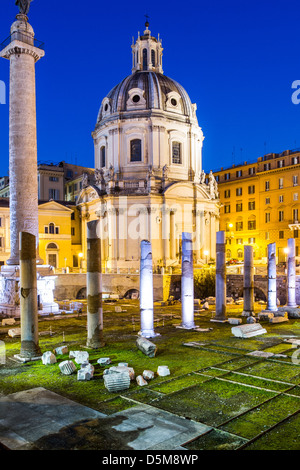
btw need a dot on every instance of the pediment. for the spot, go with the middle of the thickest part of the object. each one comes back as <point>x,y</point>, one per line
<point>54,206</point>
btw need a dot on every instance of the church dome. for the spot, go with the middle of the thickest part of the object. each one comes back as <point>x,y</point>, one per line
<point>147,91</point>
<point>147,125</point>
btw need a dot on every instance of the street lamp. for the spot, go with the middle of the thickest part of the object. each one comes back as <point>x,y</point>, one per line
<point>206,253</point>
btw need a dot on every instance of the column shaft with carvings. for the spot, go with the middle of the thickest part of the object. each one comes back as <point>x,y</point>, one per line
<point>23,180</point>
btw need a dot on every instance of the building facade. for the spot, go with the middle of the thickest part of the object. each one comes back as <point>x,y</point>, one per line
<point>260,204</point>
<point>59,234</point>
<point>149,183</point>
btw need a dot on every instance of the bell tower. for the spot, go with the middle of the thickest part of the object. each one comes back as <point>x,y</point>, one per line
<point>147,52</point>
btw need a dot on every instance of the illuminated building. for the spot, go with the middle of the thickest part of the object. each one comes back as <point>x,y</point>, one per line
<point>260,205</point>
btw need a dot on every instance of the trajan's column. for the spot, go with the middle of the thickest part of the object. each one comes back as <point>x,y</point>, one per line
<point>22,52</point>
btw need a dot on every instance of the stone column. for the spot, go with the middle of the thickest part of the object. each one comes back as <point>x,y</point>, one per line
<point>248,281</point>
<point>94,287</point>
<point>28,297</point>
<point>187,282</point>
<point>272,292</point>
<point>146,291</point>
<point>291,274</point>
<point>220,278</point>
<point>23,180</point>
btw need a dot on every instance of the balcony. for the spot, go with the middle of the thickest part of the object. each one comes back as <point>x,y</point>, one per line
<point>18,36</point>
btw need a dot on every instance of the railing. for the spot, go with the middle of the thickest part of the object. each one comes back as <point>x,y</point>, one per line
<point>18,36</point>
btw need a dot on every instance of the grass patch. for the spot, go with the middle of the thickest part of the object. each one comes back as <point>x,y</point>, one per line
<point>213,402</point>
<point>263,417</point>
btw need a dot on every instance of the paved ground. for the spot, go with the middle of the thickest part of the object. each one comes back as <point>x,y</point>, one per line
<point>38,418</point>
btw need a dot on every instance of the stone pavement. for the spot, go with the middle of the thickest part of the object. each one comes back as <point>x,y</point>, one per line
<point>40,419</point>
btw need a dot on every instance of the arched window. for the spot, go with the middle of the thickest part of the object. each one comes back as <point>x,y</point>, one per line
<point>240,254</point>
<point>102,156</point>
<point>136,150</point>
<point>153,57</point>
<point>145,59</point>
<point>176,153</point>
<point>51,246</point>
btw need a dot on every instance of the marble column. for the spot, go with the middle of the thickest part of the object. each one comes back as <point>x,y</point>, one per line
<point>220,278</point>
<point>187,282</point>
<point>248,281</point>
<point>291,274</point>
<point>146,291</point>
<point>272,291</point>
<point>23,178</point>
<point>94,287</point>
<point>28,297</point>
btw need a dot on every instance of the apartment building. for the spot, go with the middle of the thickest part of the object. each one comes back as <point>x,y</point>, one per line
<point>260,204</point>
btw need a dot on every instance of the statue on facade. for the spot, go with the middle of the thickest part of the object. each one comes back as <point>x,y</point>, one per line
<point>24,6</point>
<point>99,176</point>
<point>110,173</point>
<point>202,177</point>
<point>211,184</point>
<point>85,180</point>
<point>165,172</point>
<point>150,172</point>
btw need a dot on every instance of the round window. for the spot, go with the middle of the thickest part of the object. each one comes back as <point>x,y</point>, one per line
<point>136,98</point>
<point>173,102</point>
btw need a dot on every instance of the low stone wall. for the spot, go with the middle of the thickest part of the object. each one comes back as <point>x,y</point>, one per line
<point>73,286</point>
<point>235,287</point>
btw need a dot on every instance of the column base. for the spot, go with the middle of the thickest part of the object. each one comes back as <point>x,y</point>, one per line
<point>187,327</point>
<point>247,313</point>
<point>219,320</point>
<point>148,333</point>
<point>22,359</point>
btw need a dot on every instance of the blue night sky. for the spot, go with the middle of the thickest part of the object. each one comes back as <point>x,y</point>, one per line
<point>236,59</point>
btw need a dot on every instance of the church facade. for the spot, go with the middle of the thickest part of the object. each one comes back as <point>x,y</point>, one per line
<point>148,181</point>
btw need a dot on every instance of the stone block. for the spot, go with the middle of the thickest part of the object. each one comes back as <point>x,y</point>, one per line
<point>234,321</point>
<point>104,361</point>
<point>121,369</point>
<point>263,354</point>
<point>148,374</point>
<point>61,350</point>
<point>247,331</point>
<point>251,319</point>
<point>265,316</point>
<point>279,318</point>
<point>14,332</point>
<point>115,382</point>
<point>67,367</point>
<point>162,371</point>
<point>86,372</point>
<point>79,356</point>
<point>48,358</point>
<point>141,381</point>
<point>8,321</point>
<point>146,346</point>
